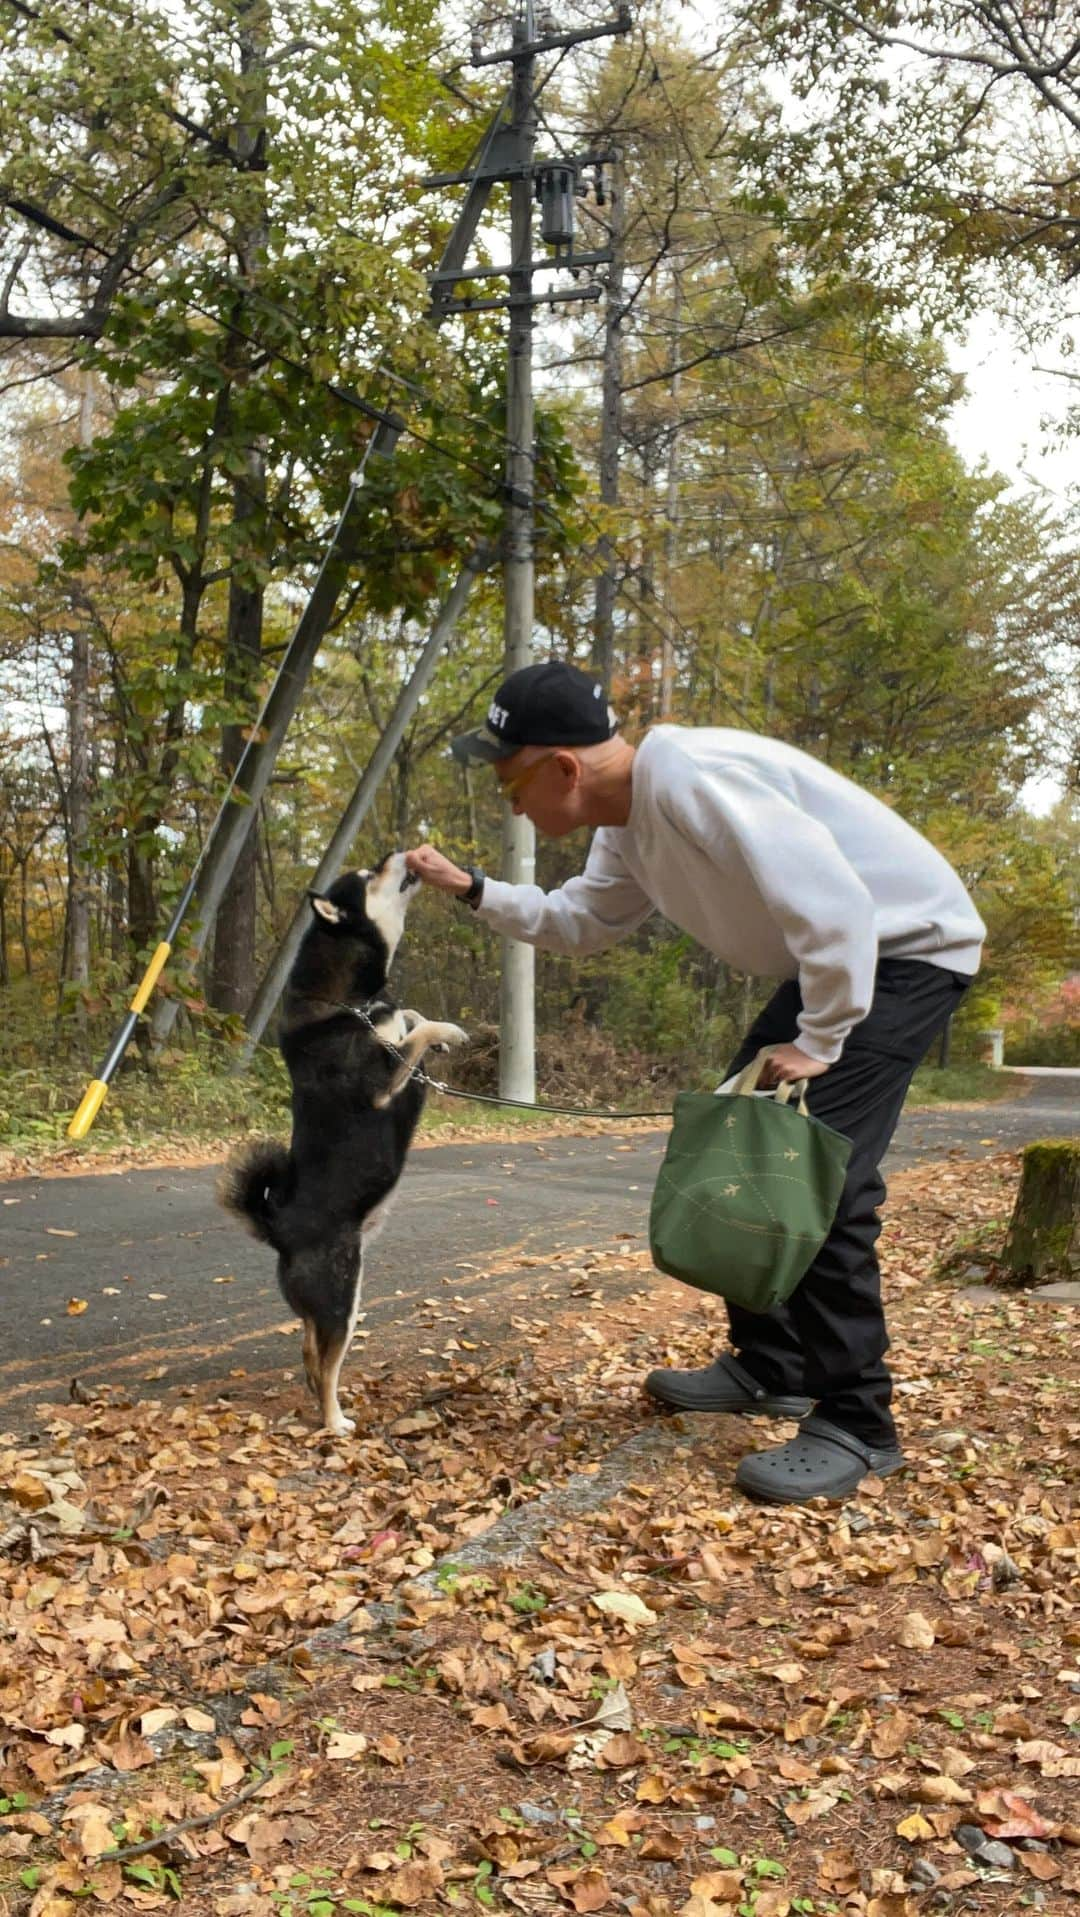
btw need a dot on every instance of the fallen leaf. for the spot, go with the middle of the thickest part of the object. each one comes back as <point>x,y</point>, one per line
<point>666,1845</point>
<point>652,1790</point>
<point>721,1886</point>
<point>938,1790</point>
<point>345,1746</point>
<point>623,1750</point>
<point>1050,1758</point>
<point>624,1605</point>
<point>1006,1814</point>
<point>1039,1864</point>
<point>891,1734</point>
<point>589,1890</point>
<point>492,1717</point>
<point>413,1884</point>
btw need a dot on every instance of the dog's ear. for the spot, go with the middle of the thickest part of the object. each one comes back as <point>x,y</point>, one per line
<point>326,908</point>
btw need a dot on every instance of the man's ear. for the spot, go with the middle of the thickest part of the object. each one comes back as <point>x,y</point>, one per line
<point>326,908</point>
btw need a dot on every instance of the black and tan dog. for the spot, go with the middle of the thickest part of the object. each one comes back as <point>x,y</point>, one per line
<point>355,1105</point>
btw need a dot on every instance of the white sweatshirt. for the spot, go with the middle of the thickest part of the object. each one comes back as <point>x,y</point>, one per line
<point>777,864</point>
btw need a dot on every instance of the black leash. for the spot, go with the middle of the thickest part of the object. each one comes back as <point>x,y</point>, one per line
<point>490,1098</point>
<point>363,1013</point>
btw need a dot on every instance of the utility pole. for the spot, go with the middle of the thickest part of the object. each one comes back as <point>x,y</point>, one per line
<point>603,647</point>
<point>510,156</point>
<point>671,529</point>
<point>517,987</point>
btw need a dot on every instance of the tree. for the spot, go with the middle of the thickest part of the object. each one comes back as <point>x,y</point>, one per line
<point>209,207</point>
<point>961,149</point>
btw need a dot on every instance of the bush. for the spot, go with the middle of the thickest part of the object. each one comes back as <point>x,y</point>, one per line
<point>1047,1045</point>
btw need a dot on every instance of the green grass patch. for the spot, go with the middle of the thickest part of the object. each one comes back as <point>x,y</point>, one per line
<point>960,1085</point>
<point>188,1098</point>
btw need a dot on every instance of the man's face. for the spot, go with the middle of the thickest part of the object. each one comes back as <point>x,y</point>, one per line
<point>541,783</point>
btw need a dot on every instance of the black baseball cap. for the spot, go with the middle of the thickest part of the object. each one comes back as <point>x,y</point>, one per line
<point>553,704</point>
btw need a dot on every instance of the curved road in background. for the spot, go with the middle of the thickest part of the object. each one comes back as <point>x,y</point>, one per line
<point>175,1292</point>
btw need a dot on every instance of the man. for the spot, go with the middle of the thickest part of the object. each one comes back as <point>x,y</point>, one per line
<point>784,869</point>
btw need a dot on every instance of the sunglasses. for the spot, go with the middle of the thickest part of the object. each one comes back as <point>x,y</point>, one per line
<point>511,789</point>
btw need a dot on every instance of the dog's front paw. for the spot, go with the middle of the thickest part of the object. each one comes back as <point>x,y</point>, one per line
<point>449,1037</point>
<point>340,1426</point>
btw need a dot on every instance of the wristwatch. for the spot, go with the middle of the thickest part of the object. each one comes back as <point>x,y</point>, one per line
<point>476,890</point>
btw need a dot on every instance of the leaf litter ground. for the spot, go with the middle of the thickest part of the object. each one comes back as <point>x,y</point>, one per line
<point>516,1644</point>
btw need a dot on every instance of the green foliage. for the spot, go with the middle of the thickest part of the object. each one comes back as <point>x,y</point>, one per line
<point>799,547</point>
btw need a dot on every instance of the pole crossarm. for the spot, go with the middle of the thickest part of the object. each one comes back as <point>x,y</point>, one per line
<point>550,42</point>
<point>567,263</point>
<point>515,168</point>
<point>507,304</point>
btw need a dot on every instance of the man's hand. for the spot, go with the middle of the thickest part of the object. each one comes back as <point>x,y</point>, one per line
<point>786,1063</point>
<point>437,870</point>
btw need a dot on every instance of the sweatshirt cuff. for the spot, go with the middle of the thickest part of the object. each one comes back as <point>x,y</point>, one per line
<point>825,1050</point>
<point>494,899</point>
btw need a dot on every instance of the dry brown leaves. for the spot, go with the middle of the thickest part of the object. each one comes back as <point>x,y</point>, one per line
<point>675,1705</point>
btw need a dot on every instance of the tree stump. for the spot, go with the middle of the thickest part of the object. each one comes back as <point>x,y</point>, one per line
<point>1043,1241</point>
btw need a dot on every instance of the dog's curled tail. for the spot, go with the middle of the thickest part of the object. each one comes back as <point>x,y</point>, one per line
<point>254,1183</point>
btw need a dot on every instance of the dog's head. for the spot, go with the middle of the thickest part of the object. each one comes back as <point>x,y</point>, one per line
<point>359,902</point>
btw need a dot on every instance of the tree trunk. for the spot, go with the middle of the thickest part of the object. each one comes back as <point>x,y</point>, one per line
<point>1044,1233</point>
<point>142,905</point>
<point>233,976</point>
<point>77,940</point>
<point>24,920</point>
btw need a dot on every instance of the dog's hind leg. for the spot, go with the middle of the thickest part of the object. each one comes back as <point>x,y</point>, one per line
<point>311,1357</point>
<point>334,1335</point>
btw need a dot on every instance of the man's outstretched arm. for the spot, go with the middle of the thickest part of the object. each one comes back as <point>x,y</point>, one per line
<point>595,909</point>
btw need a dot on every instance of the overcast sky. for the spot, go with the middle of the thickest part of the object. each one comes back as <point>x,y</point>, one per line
<point>1004,420</point>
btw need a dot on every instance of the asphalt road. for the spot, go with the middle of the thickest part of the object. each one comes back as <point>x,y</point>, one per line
<point>174,1291</point>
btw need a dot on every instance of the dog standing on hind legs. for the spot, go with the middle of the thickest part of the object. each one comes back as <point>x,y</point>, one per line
<point>351,1053</point>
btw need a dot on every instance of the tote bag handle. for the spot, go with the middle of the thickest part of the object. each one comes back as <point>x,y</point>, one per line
<point>747,1083</point>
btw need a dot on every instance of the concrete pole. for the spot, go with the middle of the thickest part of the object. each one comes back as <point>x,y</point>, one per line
<point>671,529</point>
<point>603,647</point>
<point>517,1008</point>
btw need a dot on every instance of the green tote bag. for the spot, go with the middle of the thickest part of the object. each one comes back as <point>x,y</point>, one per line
<point>747,1191</point>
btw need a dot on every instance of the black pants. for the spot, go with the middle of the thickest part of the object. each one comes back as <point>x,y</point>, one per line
<point>829,1340</point>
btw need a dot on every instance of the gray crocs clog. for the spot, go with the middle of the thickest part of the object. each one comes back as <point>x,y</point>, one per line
<point>725,1385</point>
<point>820,1461</point>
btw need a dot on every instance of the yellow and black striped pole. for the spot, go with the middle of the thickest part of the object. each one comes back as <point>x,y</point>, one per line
<point>94,1096</point>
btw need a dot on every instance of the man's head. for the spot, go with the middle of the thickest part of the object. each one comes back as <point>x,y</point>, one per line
<point>549,732</point>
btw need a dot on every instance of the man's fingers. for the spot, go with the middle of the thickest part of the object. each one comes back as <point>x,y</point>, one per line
<point>435,868</point>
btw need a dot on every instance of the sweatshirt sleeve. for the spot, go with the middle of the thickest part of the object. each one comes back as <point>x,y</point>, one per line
<point>821,907</point>
<point>597,908</point>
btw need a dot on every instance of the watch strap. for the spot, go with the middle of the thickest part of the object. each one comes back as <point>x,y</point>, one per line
<point>476,890</point>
